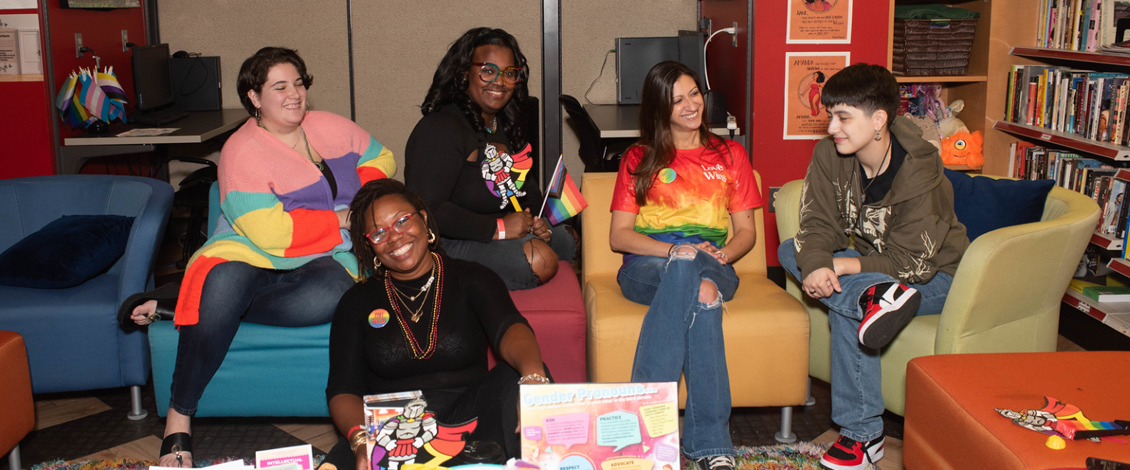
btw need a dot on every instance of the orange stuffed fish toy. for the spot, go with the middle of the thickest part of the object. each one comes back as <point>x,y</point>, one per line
<point>963,148</point>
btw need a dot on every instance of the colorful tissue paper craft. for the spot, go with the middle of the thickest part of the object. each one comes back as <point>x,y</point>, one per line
<point>89,96</point>
<point>1057,418</point>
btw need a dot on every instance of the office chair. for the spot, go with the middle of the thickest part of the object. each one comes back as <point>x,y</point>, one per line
<point>594,151</point>
<point>193,194</point>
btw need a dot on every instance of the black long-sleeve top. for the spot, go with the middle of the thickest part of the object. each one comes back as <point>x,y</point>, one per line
<point>436,168</point>
<point>475,312</point>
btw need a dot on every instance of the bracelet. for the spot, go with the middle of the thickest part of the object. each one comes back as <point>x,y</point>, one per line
<point>536,377</point>
<point>671,250</point>
<point>501,230</point>
<point>357,438</point>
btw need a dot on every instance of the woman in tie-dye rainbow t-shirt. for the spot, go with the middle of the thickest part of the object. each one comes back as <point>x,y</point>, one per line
<point>676,192</point>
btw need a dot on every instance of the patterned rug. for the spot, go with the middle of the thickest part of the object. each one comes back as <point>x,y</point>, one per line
<point>799,456</point>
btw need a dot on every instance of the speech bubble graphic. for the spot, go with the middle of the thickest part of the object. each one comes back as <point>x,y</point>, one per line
<point>568,430</point>
<point>532,433</point>
<point>666,453</point>
<point>617,429</point>
<point>576,462</point>
<point>626,463</point>
<point>660,419</point>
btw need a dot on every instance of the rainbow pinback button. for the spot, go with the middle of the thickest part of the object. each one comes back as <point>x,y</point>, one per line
<point>666,175</point>
<point>378,318</point>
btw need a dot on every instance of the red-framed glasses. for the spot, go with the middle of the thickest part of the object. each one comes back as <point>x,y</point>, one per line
<point>401,225</point>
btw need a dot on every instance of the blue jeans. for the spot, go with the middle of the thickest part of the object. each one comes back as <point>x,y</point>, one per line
<point>236,291</point>
<point>507,257</point>
<point>857,395</point>
<point>682,336</point>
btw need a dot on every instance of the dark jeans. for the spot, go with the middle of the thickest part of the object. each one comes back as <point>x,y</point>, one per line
<point>236,291</point>
<point>493,400</point>
<point>507,257</point>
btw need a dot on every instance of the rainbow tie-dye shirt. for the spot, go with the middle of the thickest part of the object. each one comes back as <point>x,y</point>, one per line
<point>278,210</point>
<point>692,199</point>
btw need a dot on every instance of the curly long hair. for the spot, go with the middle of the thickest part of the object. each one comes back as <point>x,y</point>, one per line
<point>656,104</point>
<point>359,211</point>
<point>449,85</point>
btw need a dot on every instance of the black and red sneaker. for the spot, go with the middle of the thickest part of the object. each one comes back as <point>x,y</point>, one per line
<point>849,454</point>
<point>887,308</point>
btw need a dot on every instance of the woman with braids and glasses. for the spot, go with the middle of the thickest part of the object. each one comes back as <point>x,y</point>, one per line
<point>675,194</point>
<point>469,160</point>
<point>421,320</point>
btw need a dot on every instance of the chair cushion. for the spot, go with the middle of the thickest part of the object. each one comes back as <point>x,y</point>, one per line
<point>66,252</point>
<point>985,204</point>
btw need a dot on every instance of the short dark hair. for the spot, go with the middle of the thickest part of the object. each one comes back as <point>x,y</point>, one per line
<point>865,86</point>
<point>253,72</point>
<point>359,210</point>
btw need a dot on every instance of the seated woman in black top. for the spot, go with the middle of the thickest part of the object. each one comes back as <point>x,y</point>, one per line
<point>423,321</point>
<point>469,160</point>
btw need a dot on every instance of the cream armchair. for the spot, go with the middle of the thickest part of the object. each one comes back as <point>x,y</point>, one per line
<point>1005,295</point>
<point>766,330</point>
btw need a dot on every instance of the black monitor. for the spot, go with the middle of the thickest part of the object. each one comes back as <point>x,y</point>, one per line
<point>151,78</point>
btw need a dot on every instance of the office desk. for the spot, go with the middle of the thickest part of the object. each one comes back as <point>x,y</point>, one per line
<point>198,127</point>
<point>622,121</point>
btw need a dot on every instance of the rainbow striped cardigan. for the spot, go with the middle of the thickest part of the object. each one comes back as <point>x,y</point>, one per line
<point>278,212</point>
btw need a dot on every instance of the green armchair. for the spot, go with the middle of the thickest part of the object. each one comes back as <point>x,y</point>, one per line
<point>1005,296</point>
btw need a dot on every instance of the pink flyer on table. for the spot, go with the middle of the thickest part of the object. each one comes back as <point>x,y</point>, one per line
<point>627,426</point>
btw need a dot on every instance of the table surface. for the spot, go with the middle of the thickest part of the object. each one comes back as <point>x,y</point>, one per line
<point>622,121</point>
<point>199,126</point>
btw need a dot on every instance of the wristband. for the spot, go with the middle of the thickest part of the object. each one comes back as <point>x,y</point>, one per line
<point>353,430</point>
<point>501,230</point>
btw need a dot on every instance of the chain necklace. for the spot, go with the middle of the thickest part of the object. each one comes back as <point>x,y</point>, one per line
<point>414,345</point>
<point>863,193</point>
<point>405,298</point>
<point>321,166</point>
<point>493,126</point>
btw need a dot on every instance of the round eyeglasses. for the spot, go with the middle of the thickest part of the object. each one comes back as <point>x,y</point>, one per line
<point>489,72</point>
<point>401,225</point>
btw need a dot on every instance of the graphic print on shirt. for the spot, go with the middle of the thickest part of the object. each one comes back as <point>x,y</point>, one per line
<point>505,174</point>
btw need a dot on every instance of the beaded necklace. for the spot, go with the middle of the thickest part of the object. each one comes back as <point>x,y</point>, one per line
<point>413,344</point>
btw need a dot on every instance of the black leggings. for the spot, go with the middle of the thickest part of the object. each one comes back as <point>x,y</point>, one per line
<point>493,400</point>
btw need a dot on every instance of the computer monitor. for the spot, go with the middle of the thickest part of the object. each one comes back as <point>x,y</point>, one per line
<point>634,58</point>
<point>151,78</point>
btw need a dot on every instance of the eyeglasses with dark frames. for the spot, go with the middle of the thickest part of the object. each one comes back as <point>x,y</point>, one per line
<point>489,72</point>
<point>401,225</point>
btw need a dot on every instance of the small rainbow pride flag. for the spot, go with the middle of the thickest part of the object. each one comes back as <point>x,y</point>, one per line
<point>562,198</point>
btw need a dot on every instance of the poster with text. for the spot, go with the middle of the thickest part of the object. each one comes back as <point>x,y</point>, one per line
<point>601,426</point>
<point>819,22</point>
<point>805,74</point>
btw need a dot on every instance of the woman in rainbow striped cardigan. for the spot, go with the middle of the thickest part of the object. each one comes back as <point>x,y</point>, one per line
<point>280,254</point>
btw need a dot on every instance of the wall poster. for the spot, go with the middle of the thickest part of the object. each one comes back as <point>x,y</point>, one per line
<point>805,74</point>
<point>819,22</point>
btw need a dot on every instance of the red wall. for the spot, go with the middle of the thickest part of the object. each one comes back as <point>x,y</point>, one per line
<point>780,161</point>
<point>101,31</point>
<point>27,149</point>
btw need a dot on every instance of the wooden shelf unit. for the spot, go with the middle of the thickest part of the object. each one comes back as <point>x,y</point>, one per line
<point>971,87</point>
<point>1063,139</point>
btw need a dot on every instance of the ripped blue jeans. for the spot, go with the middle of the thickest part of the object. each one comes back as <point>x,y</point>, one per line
<point>681,335</point>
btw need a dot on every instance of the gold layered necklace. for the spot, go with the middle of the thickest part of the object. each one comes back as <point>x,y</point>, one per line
<point>405,298</point>
<point>418,351</point>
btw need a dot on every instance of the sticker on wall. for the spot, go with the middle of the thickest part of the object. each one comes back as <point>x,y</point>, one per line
<point>805,75</point>
<point>819,22</point>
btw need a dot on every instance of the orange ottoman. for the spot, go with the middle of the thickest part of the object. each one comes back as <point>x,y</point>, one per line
<point>17,411</point>
<point>951,423</point>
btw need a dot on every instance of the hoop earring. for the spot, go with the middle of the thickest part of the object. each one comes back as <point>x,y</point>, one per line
<point>878,135</point>
<point>376,262</point>
<point>258,118</point>
<point>431,237</point>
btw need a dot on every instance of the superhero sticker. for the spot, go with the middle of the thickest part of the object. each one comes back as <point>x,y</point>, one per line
<point>505,174</point>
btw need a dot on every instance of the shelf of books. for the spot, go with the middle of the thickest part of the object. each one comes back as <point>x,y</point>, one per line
<point>1116,316</point>
<point>1064,139</point>
<point>1044,53</point>
<point>941,78</point>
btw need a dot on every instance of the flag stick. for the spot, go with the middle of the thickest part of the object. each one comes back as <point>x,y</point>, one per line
<point>551,180</point>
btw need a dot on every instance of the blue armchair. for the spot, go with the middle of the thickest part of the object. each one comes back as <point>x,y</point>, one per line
<point>73,338</point>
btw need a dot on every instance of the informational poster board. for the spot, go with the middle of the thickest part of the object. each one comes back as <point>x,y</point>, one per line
<point>819,22</point>
<point>601,426</point>
<point>805,74</point>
